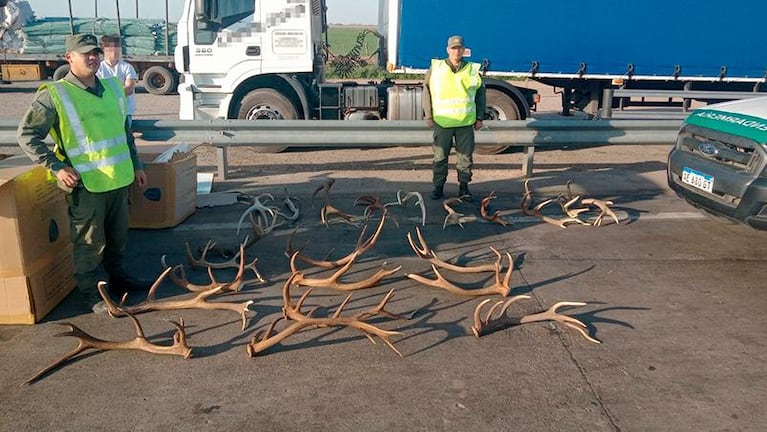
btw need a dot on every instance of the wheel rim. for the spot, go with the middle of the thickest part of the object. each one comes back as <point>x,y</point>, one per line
<point>263,112</point>
<point>492,112</point>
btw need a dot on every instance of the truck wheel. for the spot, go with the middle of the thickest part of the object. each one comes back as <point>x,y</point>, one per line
<point>500,106</point>
<point>60,72</point>
<point>158,80</point>
<point>266,104</point>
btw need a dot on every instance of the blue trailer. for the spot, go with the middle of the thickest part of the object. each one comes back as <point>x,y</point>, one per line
<point>587,46</point>
<point>266,60</point>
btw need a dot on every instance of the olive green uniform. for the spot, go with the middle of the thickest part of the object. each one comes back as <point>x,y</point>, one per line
<point>444,137</point>
<point>98,221</point>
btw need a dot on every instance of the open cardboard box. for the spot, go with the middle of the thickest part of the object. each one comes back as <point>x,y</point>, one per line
<point>170,194</point>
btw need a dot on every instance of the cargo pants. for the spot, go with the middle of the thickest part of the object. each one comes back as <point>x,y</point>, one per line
<point>99,233</point>
<point>464,149</point>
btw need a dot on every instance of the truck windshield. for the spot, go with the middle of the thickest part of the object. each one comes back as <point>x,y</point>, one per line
<point>220,14</point>
<point>221,11</point>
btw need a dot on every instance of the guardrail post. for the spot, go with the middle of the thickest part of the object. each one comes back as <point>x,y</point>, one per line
<point>607,103</point>
<point>527,162</point>
<point>221,162</point>
<point>687,101</point>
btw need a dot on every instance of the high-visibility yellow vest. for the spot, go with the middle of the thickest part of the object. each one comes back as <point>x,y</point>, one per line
<point>452,93</point>
<point>93,133</point>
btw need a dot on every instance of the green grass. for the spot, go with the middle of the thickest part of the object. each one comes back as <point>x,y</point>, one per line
<point>343,38</point>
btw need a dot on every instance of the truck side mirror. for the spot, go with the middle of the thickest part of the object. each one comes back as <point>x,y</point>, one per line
<point>201,11</point>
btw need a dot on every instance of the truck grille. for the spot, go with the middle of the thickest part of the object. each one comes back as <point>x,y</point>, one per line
<point>736,152</point>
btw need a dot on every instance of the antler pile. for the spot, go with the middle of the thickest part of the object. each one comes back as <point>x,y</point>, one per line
<point>496,318</point>
<point>140,342</point>
<point>301,321</point>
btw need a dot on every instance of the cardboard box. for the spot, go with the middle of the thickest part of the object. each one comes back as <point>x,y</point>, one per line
<point>26,299</point>
<point>33,216</point>
<point>170,194</point>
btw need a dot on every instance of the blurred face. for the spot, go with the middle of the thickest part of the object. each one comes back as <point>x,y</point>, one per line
<point>112,53</point>
<point>83,65</point>
<point>455,54</point>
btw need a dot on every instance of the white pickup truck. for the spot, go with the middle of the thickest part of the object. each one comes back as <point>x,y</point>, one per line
<point>719,162</point>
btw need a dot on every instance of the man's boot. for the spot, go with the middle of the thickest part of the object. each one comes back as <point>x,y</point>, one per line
<point>463,192</point>
<point>121,283</point>
<point>438,192</point>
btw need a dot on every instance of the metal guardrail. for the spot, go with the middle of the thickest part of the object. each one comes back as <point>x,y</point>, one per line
<point>528,134</point>
<point>686,95</point>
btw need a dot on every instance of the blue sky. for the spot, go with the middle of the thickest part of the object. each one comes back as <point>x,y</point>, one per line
<point>339,11</point>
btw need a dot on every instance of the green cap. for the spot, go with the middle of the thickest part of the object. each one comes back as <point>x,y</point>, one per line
<point>455,41</point>
<point>83,43</point>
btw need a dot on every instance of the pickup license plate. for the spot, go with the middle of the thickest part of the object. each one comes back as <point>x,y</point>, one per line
<point>698,179</point>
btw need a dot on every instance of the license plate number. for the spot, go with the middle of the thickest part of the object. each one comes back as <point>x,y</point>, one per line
<point>698,179</point>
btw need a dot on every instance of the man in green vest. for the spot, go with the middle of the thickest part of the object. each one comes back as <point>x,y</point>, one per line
<point>94,161</point>
<point>454,104</point>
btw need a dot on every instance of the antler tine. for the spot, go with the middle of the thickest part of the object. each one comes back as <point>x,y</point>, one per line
<point>425,252</point>
<point>566,203</point>
<point>604,206</point>
<point>288,202</point>
<point>379,309</point>
<point>156,284</point>
<point>342,306</point>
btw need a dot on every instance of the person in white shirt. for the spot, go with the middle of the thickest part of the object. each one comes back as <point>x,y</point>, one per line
<point>114,66</point>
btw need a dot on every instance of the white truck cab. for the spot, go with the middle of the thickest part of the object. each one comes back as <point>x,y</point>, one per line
<point>719,162</point>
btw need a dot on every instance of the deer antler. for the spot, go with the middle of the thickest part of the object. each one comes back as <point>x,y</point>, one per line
<point>362,247</point>
<point>300,321</point>
<point>531,209</point>
<point>496,217</point>
<point>425,252</point>
<point>332,281</point>
<point>86,342</point>
<point>604,206</point>
<point>288,201</point>
<point>453,217</point>
<point>498,321</point>
<point>263,210</point>
<point>500,286</point>
<point>200,301</point>
<point>402,200</point>
<point>327,208</point>
<point>236,262</point>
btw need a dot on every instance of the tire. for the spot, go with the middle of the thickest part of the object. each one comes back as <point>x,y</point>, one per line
<point>60,72</point>
<point>500,106</point>
<point>158,80</point>
<point>266,104</point>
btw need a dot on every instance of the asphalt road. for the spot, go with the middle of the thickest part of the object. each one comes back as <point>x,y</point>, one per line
<point>676,298</point>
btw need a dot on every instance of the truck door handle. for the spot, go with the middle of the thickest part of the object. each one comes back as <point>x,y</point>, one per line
<point>253,51</point>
